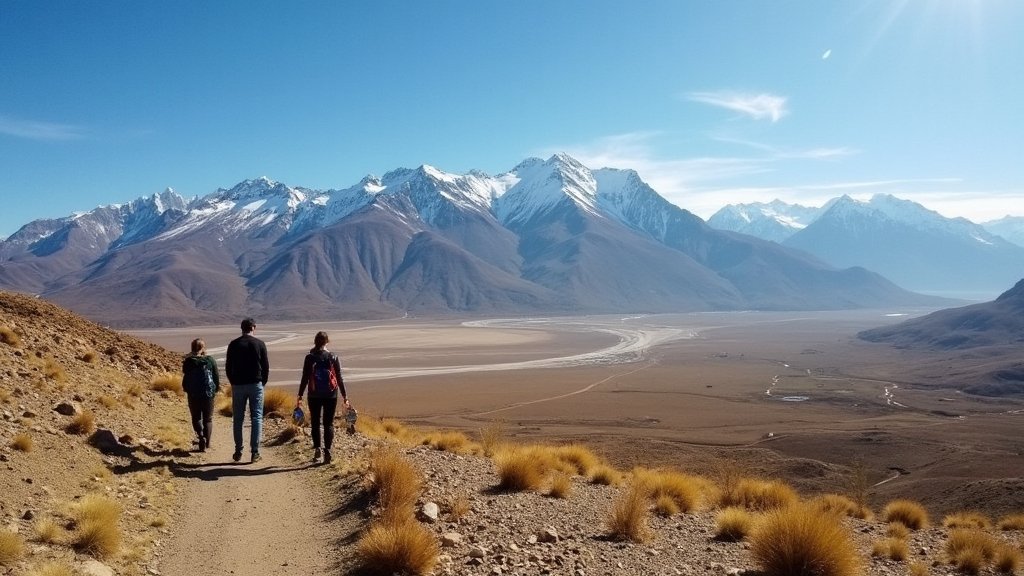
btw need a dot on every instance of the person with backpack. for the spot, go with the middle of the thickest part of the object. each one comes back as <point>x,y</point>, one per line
<point>321,373</point>
<point>201,382</point>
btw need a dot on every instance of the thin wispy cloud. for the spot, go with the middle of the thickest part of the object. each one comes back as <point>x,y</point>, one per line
<point>789,153</point>
<point>763,106</point>
<point>36,130</point>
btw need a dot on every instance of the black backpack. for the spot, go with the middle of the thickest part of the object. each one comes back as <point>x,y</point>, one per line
<point>199,378</point>
<point>323,379</point>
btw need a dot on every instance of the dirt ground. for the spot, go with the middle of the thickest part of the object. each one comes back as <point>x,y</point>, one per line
<point>779,393</point>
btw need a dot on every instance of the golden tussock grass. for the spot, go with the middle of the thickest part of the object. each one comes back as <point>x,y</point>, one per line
<point>53,569</point>
<point>458,507</point>
<point>606,476</point>
<point>449,441</point>
<point>581,458</point>
<point>22,442</point>
<point>523,468</point>
<point>561,485</point>
<point>628,518</point>
<point>967,519</point>
<point>970,549</point>
<point>83,423</point>
<point>891,548</point>
<point>907,512</point>
<point>842,505</point>
<point>733,523</point>
<point>755,494</point>
<point>47,531</point>
<point>683,489</point>
<point>167,383</point>
<point>135,389</point>
<point>1007,559</point>
<point>801,540</point>
<point>90,357</point>
<point>400,547</point>
<point>395,482</point>
<point>174,435</point>
<point>897,530</point>
<point>53,370</point>
<point>278,401</point>
<point>665,506</point>
<point>12,548</point>
<point>97,531</point>
<point>157,521</point>
<point>1012,522</point>
<point>918,569</point>
<point>9,337</point>
<point>492,437</point>
<point>107,402</point>
<point>387,428</point>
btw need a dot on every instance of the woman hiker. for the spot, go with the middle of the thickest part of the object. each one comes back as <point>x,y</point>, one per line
<point>200,381</point>
<point>321,372</point>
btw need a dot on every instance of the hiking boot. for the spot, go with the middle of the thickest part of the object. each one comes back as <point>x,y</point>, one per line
<point>237,455</point>
<point>316,455</point>
<point>202,445</point>
<point>327,456</point>
<point>256,457</point>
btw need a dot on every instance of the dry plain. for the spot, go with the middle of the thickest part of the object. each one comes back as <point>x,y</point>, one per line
<point>789,394</point>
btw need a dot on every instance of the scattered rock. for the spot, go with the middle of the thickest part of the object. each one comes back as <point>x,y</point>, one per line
<point>95,568</point>
<point>28,515</point>
<point>477,552</point>
<point>451,539</point>
<point>68,408</point>
<point>430,512</point>
<point>548,534</point>
<point>105,441</point>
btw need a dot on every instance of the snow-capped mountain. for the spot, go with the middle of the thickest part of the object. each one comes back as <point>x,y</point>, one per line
<point>915,247</point>
<point>1009,227</point>
<point>549,236</point>
<point>775,220</point>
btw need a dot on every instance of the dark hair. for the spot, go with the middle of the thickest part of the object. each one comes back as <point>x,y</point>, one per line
<point>198,346</point>
<point>248,324</point>
<point>320,340</point>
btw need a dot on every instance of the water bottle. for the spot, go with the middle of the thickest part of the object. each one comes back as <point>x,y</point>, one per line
<point>350,418</point>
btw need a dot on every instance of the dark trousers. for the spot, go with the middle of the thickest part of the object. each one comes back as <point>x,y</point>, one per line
<point>201,409</point>
<point>328,406</point>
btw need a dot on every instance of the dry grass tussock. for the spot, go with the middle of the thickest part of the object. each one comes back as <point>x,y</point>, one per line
<point>733,524</point>
<point>581,458</point>
<point>891,548</point>
<point>400,547</point>
<point>278,401</point>
<point>842,505</point>
<point>167,383</point>
<point>897,530</point>
<point>918,569</point>
<point>5,395</point>
<point>523,467</point>
<point>492,437</point>
<point>48,531</point>
<point>53,370</point>
<point>628,518</point>
<point>686,491</point>
<point>801,540</point>
<point>83,423</point>
<point>1008,559</point>
<point>90,357</point>
<point>22,442</point>
<point>395,482</point>
<point>755,494</point>
<point>907,512</point>
<point>1012,522</point>
<point>970,549</point>
<point>107,401</point>
<point>449,441</point>
<point>606,476</point>
<point>53,569</point>
<point>97,531</point>
<point>12,548</point>
<point>9,337</point>
<point>967,519</point>
<point>288,433</point>
<point>458,507</point>
<point>561,485</point>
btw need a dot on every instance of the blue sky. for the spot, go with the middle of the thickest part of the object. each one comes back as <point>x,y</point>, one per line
<point>712,101</point>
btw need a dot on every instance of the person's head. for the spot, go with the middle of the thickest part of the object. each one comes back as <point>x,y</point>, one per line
<point>321,339</point>
<point>248,325</point>
<point>198,346</point>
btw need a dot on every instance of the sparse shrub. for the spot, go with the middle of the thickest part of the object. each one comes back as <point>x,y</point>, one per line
<point>401,547</point>
<point>22,442</point>
<point>582,459</point>
<point>289,432</point>
<point>665,506</point>
<point>135,389</point>
<point>561,485</point>
<point>683,489</point>
<point>891,548</point>
<point>897,530</point>
<point>167,383</point>
<point>969,519</point>
<point>278,401</point>
<point>733,523</point>
<point>83,423</point>
<point>458,507</point>
<point>491,437</point>
<point>90,357</point>
<point>5,395</point>
<point>801,540</point>
<point>449,441</point>
<point>909,513</point>
<point>522,468</point>
<point>158,521</point>
<point>1012,522</point>
<point>859,483</point>
<point>53,370</point>
<point>47,531</point>
<point>606,476</point>
<point>224,406</point>
<point>9,337</point>
<point>1007,559</point>
<point>969,561</point>
<point>12,548</point>
<point>628,519</point>
<point>969,549</point>
<point>97,531</point>
<point>842,505</point>
<point>755,494</point>
<point>107,402</point>
<point>52,569</point>
<point>918,569</point>
<point>174,435</point>
<point>396,483</point>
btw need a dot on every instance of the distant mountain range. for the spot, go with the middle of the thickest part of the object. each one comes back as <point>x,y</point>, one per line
<point>915,247</point>
<point>986,337</point>
<point>1009,227</point>
<point>549,236</point>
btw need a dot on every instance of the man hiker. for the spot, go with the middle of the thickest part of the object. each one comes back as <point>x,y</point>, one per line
<point>248,369</point>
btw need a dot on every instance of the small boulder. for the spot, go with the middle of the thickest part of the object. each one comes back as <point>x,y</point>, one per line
<point>430,512</point>
<point>451,539</point>
<point>548,534</point>
<point>477,552</point>
<point>95,568</point>
<point>67,408</point>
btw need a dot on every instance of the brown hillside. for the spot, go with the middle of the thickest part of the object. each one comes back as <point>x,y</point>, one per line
<point>52,461</point>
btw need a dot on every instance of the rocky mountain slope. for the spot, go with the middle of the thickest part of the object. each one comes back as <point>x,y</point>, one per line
<point>775,220</point>
<point>549,236</point>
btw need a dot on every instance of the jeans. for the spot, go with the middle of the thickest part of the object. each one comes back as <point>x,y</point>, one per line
<point>328,406</point>
<point>200,407</point>
<point>247,395</point>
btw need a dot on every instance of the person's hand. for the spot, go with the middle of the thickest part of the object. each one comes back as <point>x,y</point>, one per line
<point>347,403</point>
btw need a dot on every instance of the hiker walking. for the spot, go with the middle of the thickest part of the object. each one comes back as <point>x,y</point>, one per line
<point>201,382</point>
<point>321,372</point>
<point>248,369</point>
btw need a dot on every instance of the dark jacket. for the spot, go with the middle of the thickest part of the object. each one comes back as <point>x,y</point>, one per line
<point>246,361</point>
<point>193,363</point>
<point>307,374</point>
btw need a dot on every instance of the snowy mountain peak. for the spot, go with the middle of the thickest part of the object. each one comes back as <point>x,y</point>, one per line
<point>775,220</point>
<point>537,187</point>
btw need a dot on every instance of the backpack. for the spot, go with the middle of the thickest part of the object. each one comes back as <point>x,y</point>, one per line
<point>199,378</point>
<point>323,379</point>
